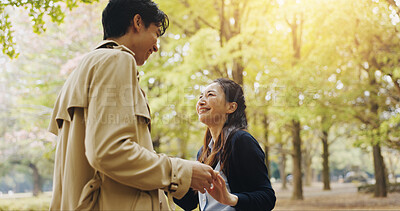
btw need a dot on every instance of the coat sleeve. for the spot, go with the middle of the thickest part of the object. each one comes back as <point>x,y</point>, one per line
<point>111,139</point>
<point>191,198</point>
<point>250,170</point>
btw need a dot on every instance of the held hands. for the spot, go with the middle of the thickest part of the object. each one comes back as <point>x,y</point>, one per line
<point>205,178</point>
<point>202,176</point>
<point>220,193</point>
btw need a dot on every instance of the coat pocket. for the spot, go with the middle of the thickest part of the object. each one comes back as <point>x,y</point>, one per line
<point>90,194</point>
<point>143,201</point>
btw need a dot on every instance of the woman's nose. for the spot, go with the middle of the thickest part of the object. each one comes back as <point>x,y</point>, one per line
<point>201,102</point>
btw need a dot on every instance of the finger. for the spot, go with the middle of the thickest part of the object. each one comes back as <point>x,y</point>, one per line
<point>221,180</point>
<point>217,185</point>
<point>207,185</point>
<point>211,188</point>
<point>214,174</point>
<point>202,189</point>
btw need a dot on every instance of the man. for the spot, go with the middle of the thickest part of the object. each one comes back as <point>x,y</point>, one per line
<point>104,157</point>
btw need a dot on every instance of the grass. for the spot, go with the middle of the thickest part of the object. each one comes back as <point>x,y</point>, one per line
<point>341,197</point>
<point>25,202</point>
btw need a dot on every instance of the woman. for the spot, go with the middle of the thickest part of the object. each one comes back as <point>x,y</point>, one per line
<point>242,182</point>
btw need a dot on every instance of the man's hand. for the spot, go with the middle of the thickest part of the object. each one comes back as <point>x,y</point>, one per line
<point>202,176</point>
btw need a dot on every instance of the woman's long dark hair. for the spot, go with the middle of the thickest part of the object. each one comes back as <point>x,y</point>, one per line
<point>235,121</point>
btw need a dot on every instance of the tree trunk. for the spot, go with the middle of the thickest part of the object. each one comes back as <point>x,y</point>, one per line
<point>325,161</point>
<point>266,144</point>
<point>227,32</point>
<point>308,174</point>
<point>282,164</point>
<point>37,180</point>
<point>379,167</point>
<point>379,164</point>
<point>297,176</point>
<point>237,71</point>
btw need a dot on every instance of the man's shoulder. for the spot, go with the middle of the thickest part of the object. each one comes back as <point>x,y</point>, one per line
<point>99,58</point>
<point>99,61</point>
<point>103,54</point>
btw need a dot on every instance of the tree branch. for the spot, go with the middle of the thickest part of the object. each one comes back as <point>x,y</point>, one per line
<point>185,30</point>
<point>396,83</point>
<point>205,22</point>
<point>393,4</point>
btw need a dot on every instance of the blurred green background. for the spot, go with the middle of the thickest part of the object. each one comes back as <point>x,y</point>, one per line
<point>321,81</point>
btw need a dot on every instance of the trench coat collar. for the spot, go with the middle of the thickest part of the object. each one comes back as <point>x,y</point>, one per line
<point>114,45</point>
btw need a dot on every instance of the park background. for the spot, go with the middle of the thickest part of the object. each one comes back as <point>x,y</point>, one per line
<point>321,81</point>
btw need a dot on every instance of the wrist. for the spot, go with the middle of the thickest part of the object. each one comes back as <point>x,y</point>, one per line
<point>233,200</point>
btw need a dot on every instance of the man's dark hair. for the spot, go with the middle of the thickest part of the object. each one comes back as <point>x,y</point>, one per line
<point>118,16</point>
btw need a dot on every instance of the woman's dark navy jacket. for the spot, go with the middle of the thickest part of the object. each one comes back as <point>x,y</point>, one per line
<point>247,177</point>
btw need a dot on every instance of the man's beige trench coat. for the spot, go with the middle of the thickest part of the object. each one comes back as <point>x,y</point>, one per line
<point>104,157</point>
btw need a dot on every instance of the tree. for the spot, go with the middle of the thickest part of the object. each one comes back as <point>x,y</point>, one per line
<point>374,54</point>
<point>31,150</point>
<point>38,11</point>
<point>32,84</point>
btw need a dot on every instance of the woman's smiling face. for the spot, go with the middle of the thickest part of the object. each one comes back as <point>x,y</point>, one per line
<point>212,107</point>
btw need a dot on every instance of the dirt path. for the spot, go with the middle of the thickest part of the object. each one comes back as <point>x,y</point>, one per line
<point>343,196</point>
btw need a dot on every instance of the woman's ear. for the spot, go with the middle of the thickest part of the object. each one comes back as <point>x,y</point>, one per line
<point>137,22</point>
<point>232,107</point>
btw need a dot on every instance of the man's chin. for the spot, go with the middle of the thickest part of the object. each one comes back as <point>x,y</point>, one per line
<point>140,63</point>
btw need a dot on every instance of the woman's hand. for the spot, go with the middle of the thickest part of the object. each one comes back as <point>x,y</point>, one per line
<point>220,193</point>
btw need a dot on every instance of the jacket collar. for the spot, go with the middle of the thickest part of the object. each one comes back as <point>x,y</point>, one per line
<point>114,45</point>
<point>211,144</point>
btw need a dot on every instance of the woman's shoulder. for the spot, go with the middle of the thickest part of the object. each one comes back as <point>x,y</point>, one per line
<point>243,137</point>
<point>243,134</point>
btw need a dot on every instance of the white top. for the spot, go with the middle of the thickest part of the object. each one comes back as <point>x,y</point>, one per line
<point>206,201</point>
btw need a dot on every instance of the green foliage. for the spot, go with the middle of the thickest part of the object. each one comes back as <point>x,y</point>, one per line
<point>32,85</point>
<point>347,64</point>
<point>6,35</point>
<point>38,9</point>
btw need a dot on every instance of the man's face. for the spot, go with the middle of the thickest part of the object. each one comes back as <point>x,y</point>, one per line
<point>145,43</point>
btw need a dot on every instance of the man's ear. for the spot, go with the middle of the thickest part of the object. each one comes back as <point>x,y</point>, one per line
<point>232,107</point>
<point>137,22</point>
